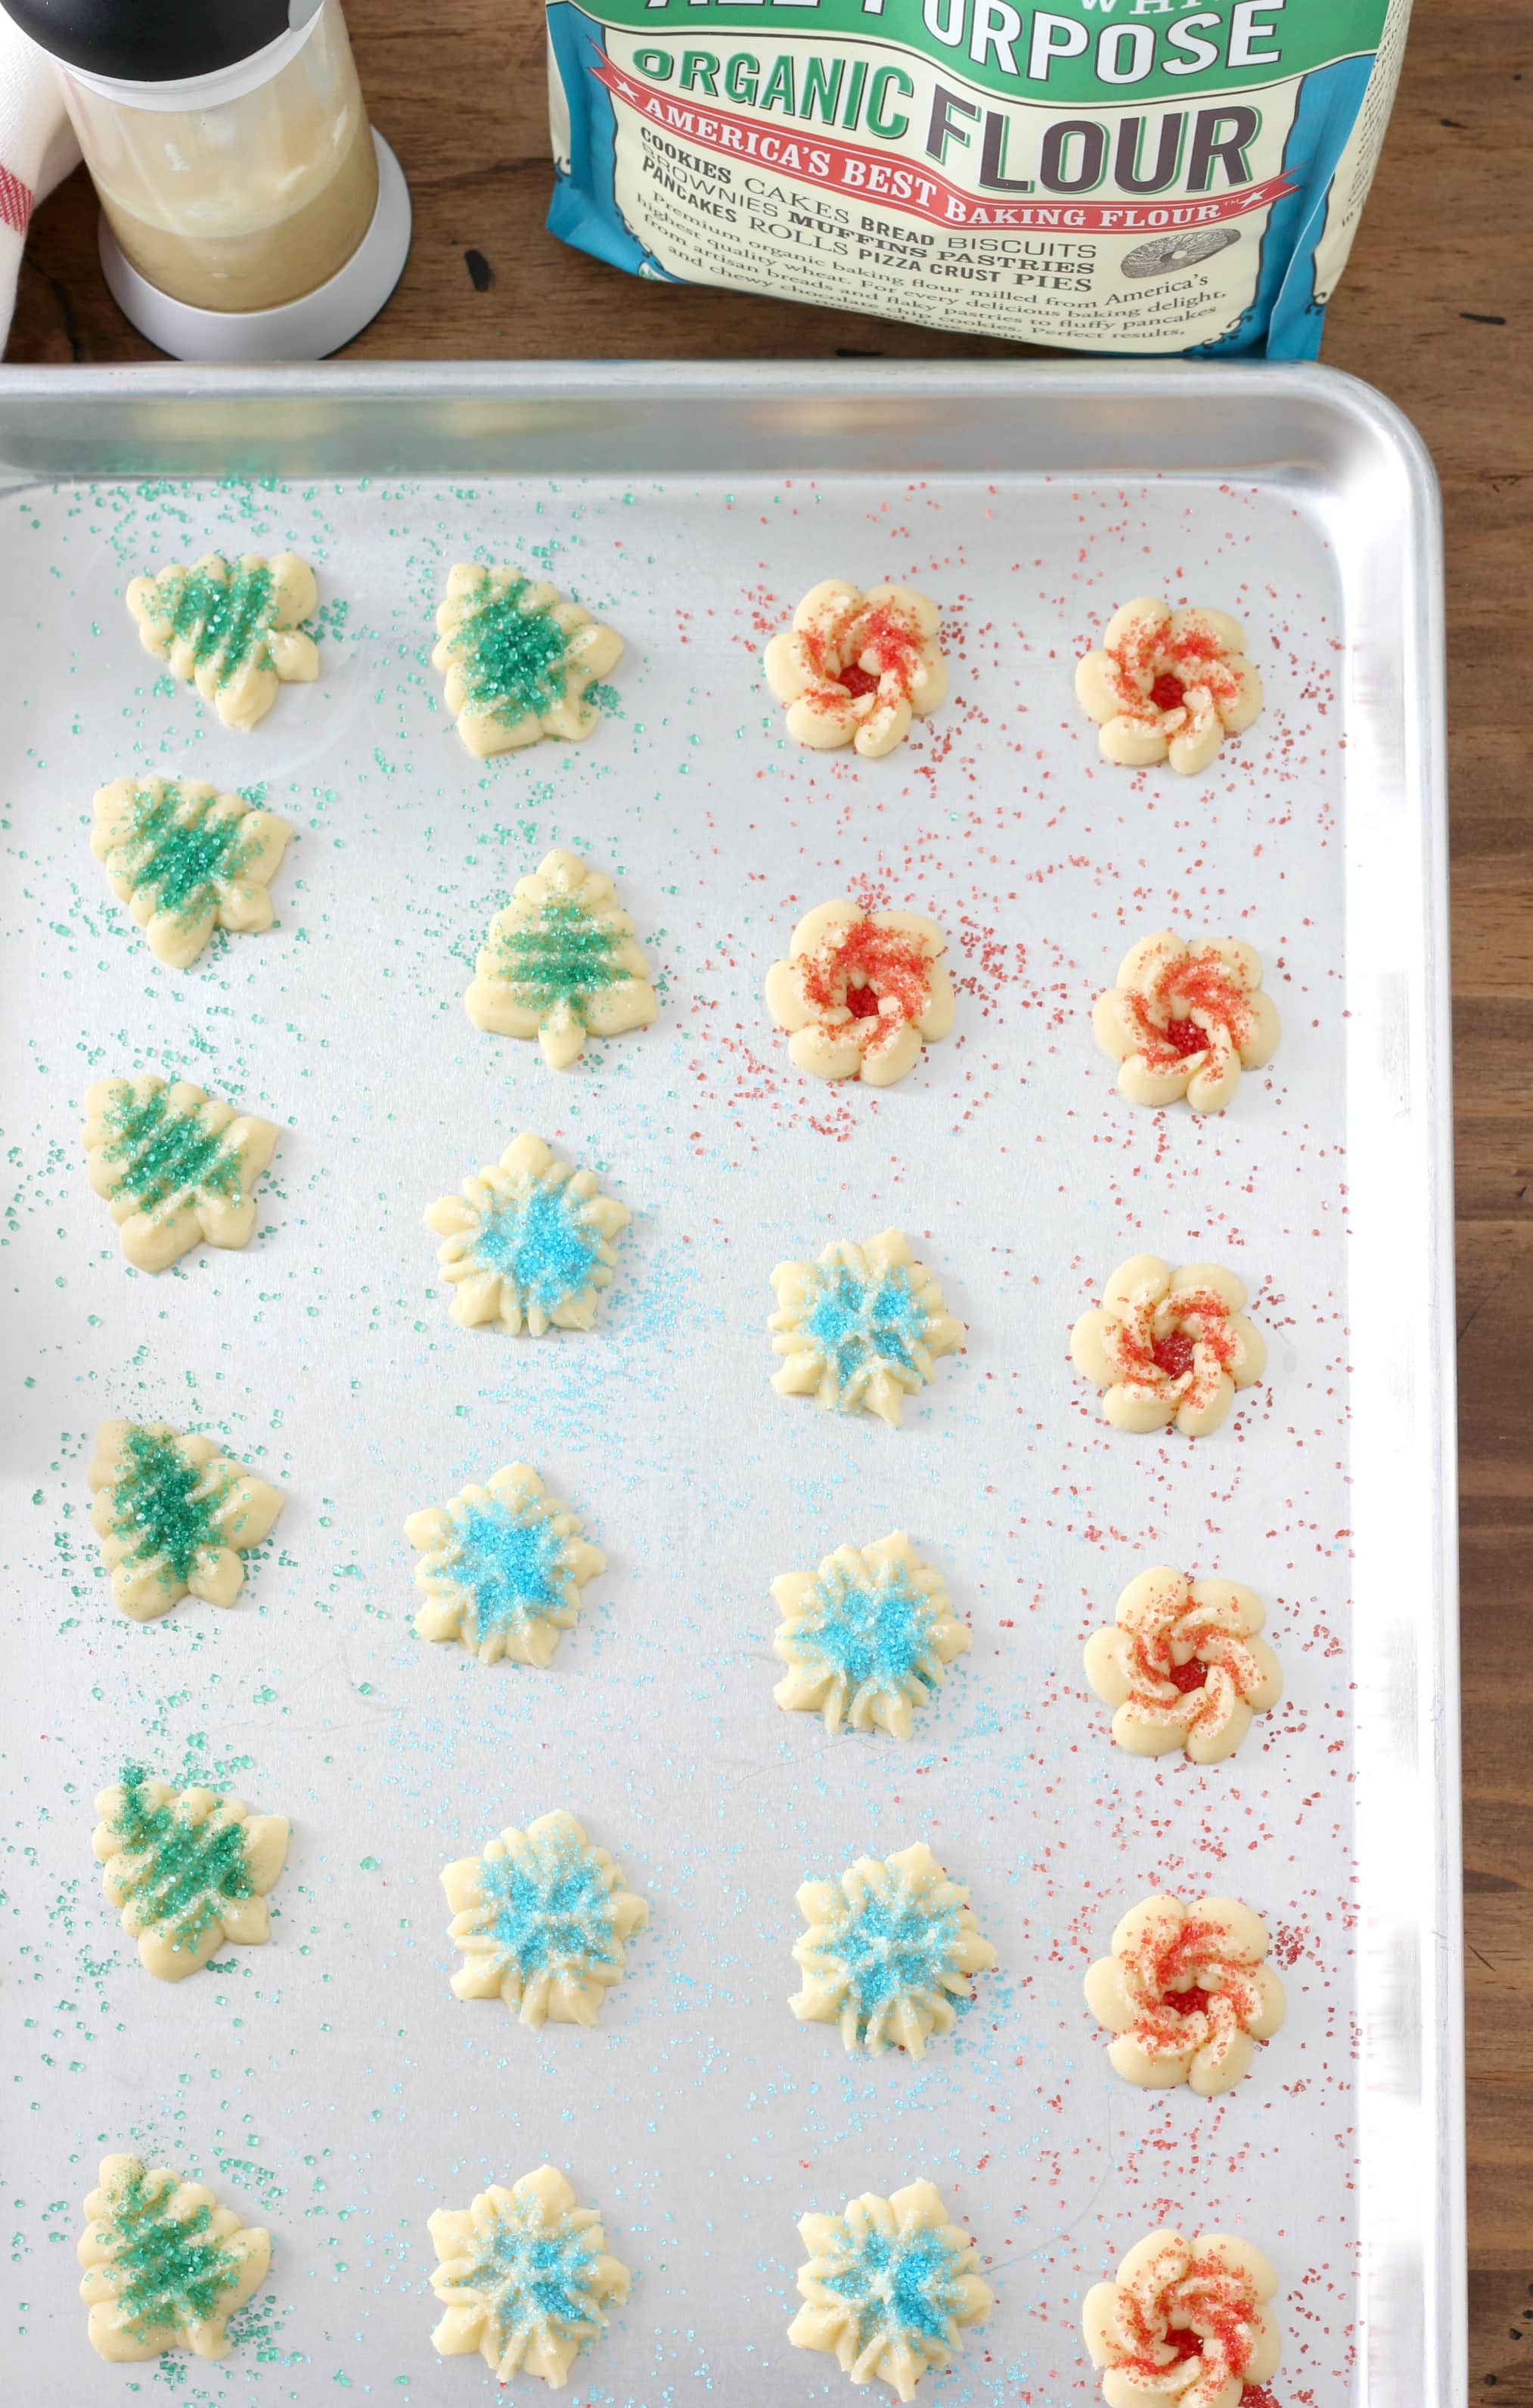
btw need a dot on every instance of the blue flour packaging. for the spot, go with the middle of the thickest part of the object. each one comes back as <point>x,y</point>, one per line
<point>1144,176</point>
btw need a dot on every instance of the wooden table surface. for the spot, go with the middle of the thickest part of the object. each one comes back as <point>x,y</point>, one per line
<point>1436,308</point>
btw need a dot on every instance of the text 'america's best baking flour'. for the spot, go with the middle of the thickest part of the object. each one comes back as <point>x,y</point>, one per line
<point>1106,175</point>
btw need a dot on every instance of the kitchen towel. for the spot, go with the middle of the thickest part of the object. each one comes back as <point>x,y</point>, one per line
<point>37,149</point>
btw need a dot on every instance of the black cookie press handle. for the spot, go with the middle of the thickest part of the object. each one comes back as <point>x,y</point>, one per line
<point>156,41</point>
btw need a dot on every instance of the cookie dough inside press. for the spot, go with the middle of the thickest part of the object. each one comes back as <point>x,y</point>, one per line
<point>231,629</point>
<point>561,964</point>
<point>888,1949</point>
<point>524,2277</point>
<point>860,1329</point>
<point>502,1567</point>
<point>174,1514</point>
<point>165,2267</point>
<point>540,1919</point>
<point>1169,1346</point>
<point>187,1869</point>
<point>890,2287</point>
<point>857,667</point>
<point>518,660</point>
<point>528,1243</point>
<point>175,1165</point>
<point>186,860</point>
<point>1188,1992</point>
<point>1168,685</point>
<point>860,993</point>
<point>867,1638</point>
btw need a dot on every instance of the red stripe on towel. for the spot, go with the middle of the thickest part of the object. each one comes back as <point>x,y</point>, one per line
<point>15,201</point>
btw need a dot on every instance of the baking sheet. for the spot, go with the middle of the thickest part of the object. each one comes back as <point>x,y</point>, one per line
<point>330,2086</point>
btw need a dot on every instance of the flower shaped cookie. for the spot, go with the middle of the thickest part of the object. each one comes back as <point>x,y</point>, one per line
<point>518,659</point>
<point>560,963</point>
<point>1169,1346</point>
<point>502,1567</point>
<point>186,860</point>
<point>1169,685</point>
<point>174,1515</point>
<point>165,2267</point>
<point>541,1920</point>
<point>175,1165</point>
<point>1183,1666</point>
<point>187,1869</point>
<point>857,668</point>
<point>1189,1993</point>
<point>523,2277</point>
<point>1186,1020</point>
<point>860,993</point>
<point>525,1243</point>
<point>867,1638</point>
<point>860,1327</point>
<point>233,631</point>
<point>1186,2322</point>
<point>889,1947</point>
<point>889,2287</point>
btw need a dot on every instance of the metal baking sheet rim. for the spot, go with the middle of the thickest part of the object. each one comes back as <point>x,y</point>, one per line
<point>1280,424</point>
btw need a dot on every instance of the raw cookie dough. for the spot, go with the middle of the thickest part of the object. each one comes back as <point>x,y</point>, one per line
<point>867,1638</point>
<point>560,963</point>
<point>175,1165</point>
<point>518,659</point>
<point>523,2277</point>
<point>233,631</point>
<point>188,1869</point>
<point>1169,1346</point>
<point>889,1946</point>
<point>860,993</point>
<point>541,1920</point>
<point>1186,1020</point>
<point>526,1243</point>
<point>502,1567</point>
<point>186,860</point>
<point>889,2287</point>
<point>165,2267</point>
<point>1183,1665</point>
<point>1189,1993</point>
<point>1187,2321</point>
<point>857,667</point>
<point>174,1515</point>
<point>1168,685</point>
<point>860,1327</point>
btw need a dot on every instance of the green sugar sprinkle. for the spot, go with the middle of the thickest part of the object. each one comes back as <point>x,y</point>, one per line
<point>222,621</point>
<point>515,663</point>
<point>163,1152</point>
<point>562,957</point>
<point>184,1872</point>
<point>167,1506</point>
<point>177,2272</point>
<point>181,863</point>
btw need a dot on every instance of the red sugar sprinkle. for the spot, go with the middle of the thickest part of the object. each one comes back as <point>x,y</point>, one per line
<point>1185,1037</point>
<point>1167,691</point>
<point>857,681</point>
<point>861,1002</point>
<point>1173,1353</point>
<point>1189,1676</point>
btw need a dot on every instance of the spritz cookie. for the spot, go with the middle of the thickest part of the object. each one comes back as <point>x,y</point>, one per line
<point>860,1329</point>
<point>1186,1020</point>
<point>165,2267</point>
<point>175,1165</point>
<point>890,2287</point>
<point>1184,1664</point>
<point>561,964</point>
<point>502,1567</point>
<point>1189,1993</point>
<point>889,1947</point>
<point>1169,1346</point>
<point>523,2277</point>
<point>233,630</point>
<point>186,860</point>
<point>1169,685</point>
<point>528,1243</point>
<point>1185,2321</point>
<point>540,1919</point>
<point>857,667</point>
<point>186,1869</point>
<point>867,1638</point>
<point>174,1514</point>
<point>518,659</point>
<point>860,993</point>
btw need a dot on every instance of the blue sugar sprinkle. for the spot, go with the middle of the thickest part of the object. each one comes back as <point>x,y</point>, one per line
<point>532,2277</point>
<point>539,1244</point>
<point>893,1946</point>
<point>858,1321</point>
<point>900,2286</point>
<point>875,1639</point>
<point>510,1568</point>
<point>554,1912</point>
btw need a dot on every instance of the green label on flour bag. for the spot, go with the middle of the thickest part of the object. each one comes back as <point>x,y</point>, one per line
<point>1107,175</point>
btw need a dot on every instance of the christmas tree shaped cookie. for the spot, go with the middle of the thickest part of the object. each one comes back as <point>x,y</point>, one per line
<point>560,963</point>
<point>175,1164</point>
<point>186,860</point>
<point>165,2267</point>
<point>174,1515</point>
<point>233,630</point>
<point>187,1870</point>
<point>518,659</point>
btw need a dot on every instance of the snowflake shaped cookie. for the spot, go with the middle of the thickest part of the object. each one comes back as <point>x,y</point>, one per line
<point>1189,1993</point>
<point>1183,1665</point>
<point>1185,2321</point>
<point>187,1869</point>
<point>1186,1020</point>
<point>540,1919</point>
<point>860,1327</point>
<point>889,1947</point>
<point>560,963</point>
<point>175,1165</point>
<point>526,1243</point>
<point>233,630</point>
<point>502,1567</point>
<point>186,860</point>
<point>165,2267</point>
<point>174,1514</point>
<point>856,668</point>
<point>890,2287</point>
<point>523,2277</point>
<point>860,993</point>
<point>1169,1346</point>
<point>1168,685</point>
<point>867,1638</point>
<point>518,659</point>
